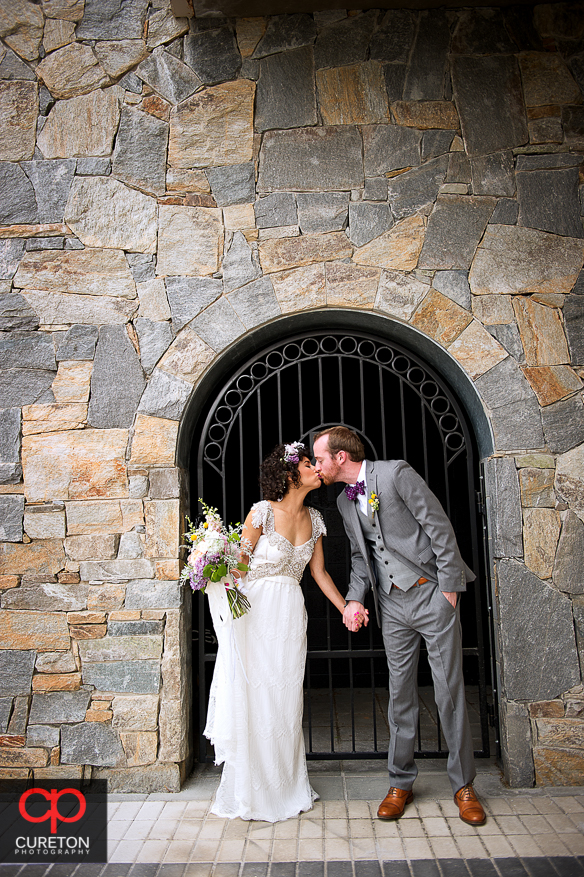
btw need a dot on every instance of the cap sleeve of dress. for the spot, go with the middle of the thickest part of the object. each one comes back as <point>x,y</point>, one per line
<point>262,515</point>
<point>318,525</point>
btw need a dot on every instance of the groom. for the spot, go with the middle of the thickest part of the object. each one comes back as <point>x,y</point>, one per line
<point>404,548</point>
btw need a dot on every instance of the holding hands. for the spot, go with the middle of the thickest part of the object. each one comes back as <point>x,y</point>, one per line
<point>355,615</point>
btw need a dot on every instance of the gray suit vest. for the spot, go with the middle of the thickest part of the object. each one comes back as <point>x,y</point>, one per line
<point>390,570</point>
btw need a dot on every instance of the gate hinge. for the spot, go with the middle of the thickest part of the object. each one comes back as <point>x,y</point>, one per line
<point>481,506</point>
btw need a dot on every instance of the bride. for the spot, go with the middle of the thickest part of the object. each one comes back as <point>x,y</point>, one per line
<point>255,704</point>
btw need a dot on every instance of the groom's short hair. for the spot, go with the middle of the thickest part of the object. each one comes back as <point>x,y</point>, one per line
<point>340,438</point>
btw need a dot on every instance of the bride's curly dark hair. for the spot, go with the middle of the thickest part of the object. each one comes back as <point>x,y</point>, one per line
<point>274,472</point>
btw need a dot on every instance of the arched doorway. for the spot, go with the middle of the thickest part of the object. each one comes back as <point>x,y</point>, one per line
<point>402,408</point>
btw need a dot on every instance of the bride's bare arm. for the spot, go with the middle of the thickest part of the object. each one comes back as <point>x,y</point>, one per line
<point>323,579</point>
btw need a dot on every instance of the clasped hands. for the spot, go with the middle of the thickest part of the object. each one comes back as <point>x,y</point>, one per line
<point>355,615</point>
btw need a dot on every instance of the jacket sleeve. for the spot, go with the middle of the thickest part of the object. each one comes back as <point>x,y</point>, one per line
<point>426,509</point>
<point>359,582</point>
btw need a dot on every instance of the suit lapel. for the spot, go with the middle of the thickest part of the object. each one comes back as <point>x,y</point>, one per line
<point>354,522</point>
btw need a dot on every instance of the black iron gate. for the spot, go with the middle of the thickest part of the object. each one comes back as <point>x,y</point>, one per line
<point>401,409</point>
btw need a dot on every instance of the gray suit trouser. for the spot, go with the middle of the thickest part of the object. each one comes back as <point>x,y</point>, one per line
<point>406,617</point>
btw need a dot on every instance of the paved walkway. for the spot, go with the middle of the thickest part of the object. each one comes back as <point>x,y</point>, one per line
<point>535,832</point>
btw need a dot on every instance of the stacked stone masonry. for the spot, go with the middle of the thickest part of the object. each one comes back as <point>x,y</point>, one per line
<point>169,185</point>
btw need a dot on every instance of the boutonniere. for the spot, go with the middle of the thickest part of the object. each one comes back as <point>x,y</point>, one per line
<point>374,502</point>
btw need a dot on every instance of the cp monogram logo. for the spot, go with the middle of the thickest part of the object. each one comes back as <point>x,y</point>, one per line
<point>52,811</point>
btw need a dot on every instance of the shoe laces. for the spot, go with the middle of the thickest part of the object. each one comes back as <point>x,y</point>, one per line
<point>466,793</point>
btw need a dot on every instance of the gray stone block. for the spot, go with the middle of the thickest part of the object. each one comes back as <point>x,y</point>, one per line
<point>489,99</point>
<point>393,39</point>
<point>368,220</point>
<point>11,515</point>
<point>153,595</point>
<point>436,142</point>
<point>503,384</point>
<point>277,210</point>
<point>395,77</point>
<point>548,200</point>
<point>5,710</point>
<point>165,396</point>
<point>517,751</point>
<point>47,597</point>
<point>427,64</point>
<point>454,284</point>
<point>154,338</point>
<point>390,147</point>
<point>519,24</point>
<point>517,426</point>
<point>16,313</point>
<point>135,628</point>
<point>458,168</point>
<point>52,183</point>
<point>78,343</point>
<point>164,484</point>
<point>493,174</point>
<point>578,287</point>
<point>188,296</point>
<point>346,41</point>
<point>130,546</point>
<point>27,350</point>
<point>140,152</point>
<point>11,252</point>
<point>322,212</point>
<point>375,189</point>
<point>508,335</point>
<point>16,671</point>
<point>35,244</point>
<point>239,264</point>
<point>20,386</point>
<point>213,55</point>
<point>143,780</point>
<point>17,197</point>
<point>131,83</point>
<point>547,161</point>
<point>59,707</point>
<point>73,244</point>
<point>505,213</point>
<point>576,65</point>
<point>95,167</point>
<point>250,69</point>
<point>42,735</point>
<point>417,189</point>
<point>313,159</point>
<point>138,677</point>
<point>255,303</point>
<point>218,325</point>
<point>10,473</point>
<point>115,570</point>
<point>234,184</point>
<point>169,76</point>
<point>454,230</point>
<point>481,32</point>
<point>10,435</point>
<point>574,323</point>
<point>537,636</point>
<point>19,717</point>
<point>285,32</point>
<point>568,574</point>
<point>563,424</point>
<point>504,507</point>
<point>120,648</point>
<point>112,20</point>
<point>12,68</point>
<point>91,743</point>
<point>117,380</point>
<point>285,94</point>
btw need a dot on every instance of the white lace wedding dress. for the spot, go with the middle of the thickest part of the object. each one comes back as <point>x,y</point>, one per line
<point>255,705</point>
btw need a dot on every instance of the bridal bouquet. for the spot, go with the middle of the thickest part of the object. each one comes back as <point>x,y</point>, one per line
<point>216,551</point>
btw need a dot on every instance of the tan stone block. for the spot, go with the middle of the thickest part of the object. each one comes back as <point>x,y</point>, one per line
<point>91,547</point>
<point>476,350</point>
<point>7,582</point>
<point>214,127</point>
<point>44,230</point>
<point>118,56</point>
<point>153,300</point>
<point>399,248</point>
<point>87,631</point>
<point>541,531</point>
<point>426,114</point>
<point>239,216</point>
<point>57,33</point>
<point>82,126</point>
<point>570,478</point>
<point>55,757</point>
<point>284,231</point>
<point>60,772</point>
<point>138,712</point>
<point>104,212</point>
<point>353,95</point>
<point>542,333</point>
<point>19,107</point>
<point>81,272</point>
<point>106,597</point>
<point>547,80</point>
<point>166,570</point>
<point>14,773</point>
<point>12,741</point>
<point>86,617</point>
<point>55,662</point>
<point>300,288</point>
<point>190,240</point>
<point>44,556</point>
<point>195,200</point>
<point>546,709</point>
<point>71,71</point>
<point>57,417</point>
<point>551,383</point>
<point>537,461</point>
<point>400,294</point>
<point>33,630</point>
<point>59,310</point>
<point>187,357</point>
<point>558,767</point>
<point>140,747</point>
<point>23,757</point>
<point>283,253</point>
<point>102,517</point>
<point>537,487</point>
<point>21,26</point>
<point>249,32</point>
<point>72,382</point>
<point>493,310</point>
<point>125,615</point>
<point>56,682</point>
<point>351,285</point>
<point>94,715</point>
<point>183,180</point>
<point>173,730</point>
<point>544,112</point>
<point>71,465</point>
<point>43,523</point>
<point>162,528</point>
<point>551,299</point>
<point>441,318</point>
<point>154,442</point>
<point>69,578</point>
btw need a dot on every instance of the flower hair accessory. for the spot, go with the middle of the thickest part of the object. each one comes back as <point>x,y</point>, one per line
<point>292,452</point>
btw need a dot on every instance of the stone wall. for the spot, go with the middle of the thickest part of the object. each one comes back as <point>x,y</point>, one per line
<point>166,187</point>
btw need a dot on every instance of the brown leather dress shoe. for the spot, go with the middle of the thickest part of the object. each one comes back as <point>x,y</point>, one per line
<point>469,806</point>
<point>394,803</point>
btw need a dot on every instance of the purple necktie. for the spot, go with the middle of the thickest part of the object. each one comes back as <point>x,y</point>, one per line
<point>355,490</point>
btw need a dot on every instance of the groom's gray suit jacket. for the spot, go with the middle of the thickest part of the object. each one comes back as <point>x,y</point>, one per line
<point>414,528</point>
